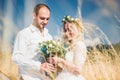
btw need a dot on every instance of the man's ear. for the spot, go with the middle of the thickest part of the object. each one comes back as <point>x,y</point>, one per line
<point>34,15</point>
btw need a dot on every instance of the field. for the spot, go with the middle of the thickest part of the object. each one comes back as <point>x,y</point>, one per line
<point>101,64</point>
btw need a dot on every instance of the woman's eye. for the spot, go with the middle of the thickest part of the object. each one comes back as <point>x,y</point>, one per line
<point>64,30</point>
<point>69,30</point>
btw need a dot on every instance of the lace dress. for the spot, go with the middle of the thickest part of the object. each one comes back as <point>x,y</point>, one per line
<point>78,56</point>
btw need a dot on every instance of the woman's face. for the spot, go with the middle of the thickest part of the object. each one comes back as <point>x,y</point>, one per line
<point>69,30</point>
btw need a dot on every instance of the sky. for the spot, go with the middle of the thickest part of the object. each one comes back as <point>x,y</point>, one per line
<point>16,15</point>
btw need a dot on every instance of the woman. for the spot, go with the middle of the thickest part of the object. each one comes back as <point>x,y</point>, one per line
<point>76,52</point>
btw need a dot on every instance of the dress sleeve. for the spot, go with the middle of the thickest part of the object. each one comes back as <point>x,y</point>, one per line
<point>25,64</point>
<point>80,53</point>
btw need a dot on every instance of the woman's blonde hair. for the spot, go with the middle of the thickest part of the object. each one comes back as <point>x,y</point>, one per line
<point>76,23</point>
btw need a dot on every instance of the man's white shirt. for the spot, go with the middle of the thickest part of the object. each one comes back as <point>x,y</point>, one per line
<point>24,52</point>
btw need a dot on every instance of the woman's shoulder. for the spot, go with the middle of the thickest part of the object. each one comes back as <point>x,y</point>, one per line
<point>80,43</point>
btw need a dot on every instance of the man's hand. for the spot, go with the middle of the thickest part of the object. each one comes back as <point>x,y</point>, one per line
<point>47,67</point>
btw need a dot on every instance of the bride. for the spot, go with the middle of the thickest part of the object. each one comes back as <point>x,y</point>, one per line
<point>76,50</point>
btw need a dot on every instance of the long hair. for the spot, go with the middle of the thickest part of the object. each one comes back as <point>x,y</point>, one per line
<point>76,23</point>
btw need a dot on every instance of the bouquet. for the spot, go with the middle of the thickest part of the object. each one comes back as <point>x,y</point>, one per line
<point>50,49</point>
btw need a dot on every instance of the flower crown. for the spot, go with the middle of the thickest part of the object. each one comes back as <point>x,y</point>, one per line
<point>69,19</point>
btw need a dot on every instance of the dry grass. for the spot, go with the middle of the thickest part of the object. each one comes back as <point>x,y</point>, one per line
<point>102,67</point>
<point>97,66</point>
<point>7,67</point>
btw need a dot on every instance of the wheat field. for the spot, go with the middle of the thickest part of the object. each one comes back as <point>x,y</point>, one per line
<point>97,66</point>
<point>102,67</point>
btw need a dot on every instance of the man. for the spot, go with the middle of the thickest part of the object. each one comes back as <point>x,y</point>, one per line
<point>24,53</point>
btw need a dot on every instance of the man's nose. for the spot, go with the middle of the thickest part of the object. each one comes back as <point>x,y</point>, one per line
<point>45,21</point>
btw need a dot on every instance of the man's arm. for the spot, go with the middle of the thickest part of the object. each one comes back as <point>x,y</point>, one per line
<point>19,56</point>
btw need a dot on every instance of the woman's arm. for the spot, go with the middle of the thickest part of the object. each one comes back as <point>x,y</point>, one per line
<point>78,59</point>
<point>75,69</point>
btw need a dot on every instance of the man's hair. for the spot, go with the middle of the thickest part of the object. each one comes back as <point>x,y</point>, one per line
<point>38,6</point>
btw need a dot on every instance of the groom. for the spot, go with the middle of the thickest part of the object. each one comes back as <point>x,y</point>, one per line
<point>26,42</point>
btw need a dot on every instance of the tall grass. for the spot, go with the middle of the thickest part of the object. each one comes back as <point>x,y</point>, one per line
<point>8,68</point>
<point>100,65</point>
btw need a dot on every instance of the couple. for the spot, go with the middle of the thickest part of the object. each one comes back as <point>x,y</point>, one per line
<point>24,52</point>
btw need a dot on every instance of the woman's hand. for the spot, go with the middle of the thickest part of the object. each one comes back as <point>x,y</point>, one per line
<point>56,60</point>
<point>75,70</point>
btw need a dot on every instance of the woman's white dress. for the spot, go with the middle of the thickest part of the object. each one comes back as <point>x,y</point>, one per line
<point>76,56</point>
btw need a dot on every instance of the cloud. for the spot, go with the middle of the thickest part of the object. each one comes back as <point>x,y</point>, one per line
<point>92,42</point>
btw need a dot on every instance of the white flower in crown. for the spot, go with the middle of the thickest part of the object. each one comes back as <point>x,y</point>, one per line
<point>69,19</point>
<point>76,19</point>
<point>72,19</point>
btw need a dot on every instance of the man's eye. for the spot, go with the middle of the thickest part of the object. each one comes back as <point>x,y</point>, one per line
<point>42,18</point>
<point>47,18</point>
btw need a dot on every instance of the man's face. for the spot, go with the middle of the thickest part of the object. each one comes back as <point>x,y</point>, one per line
<point>42,18</point>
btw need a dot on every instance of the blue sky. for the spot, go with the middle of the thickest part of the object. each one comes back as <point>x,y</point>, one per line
<point>104,14</point>
<point>17,14</point>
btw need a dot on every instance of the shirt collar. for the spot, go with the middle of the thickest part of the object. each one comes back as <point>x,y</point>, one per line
<point>35,29</point>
